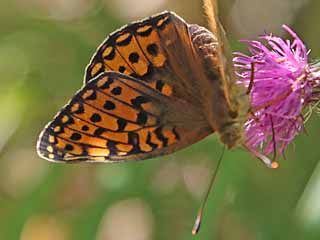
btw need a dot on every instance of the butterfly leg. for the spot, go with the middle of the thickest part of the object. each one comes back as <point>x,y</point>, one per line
<point>251,78</point>
<point>251,113</point>
<point>267,161</point>
<point>273,140</point>
<point>264,159</point>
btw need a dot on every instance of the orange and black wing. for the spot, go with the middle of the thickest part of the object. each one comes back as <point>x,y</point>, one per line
<point>115,117</point>
<point>157,51</point>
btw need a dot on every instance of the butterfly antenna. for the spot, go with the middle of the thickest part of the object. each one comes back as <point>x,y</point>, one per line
<point>197,224</point>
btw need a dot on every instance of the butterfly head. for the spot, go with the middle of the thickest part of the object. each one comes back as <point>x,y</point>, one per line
<point>231,135</point>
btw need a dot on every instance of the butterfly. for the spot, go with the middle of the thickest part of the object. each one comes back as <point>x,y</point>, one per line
<point>152,87</point>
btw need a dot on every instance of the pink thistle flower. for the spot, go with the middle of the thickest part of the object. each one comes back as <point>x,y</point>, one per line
<point>283,85</point>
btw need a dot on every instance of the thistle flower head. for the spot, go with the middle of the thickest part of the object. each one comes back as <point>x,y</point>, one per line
<point>281,84</point>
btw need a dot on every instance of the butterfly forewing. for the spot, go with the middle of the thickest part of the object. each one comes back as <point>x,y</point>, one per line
<point>116,117</point>
<point>152,50</point>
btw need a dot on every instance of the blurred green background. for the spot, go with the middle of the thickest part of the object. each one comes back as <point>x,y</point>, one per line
<point>44,48</point>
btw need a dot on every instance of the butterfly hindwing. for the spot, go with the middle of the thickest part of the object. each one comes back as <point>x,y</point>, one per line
<point>115,117</point>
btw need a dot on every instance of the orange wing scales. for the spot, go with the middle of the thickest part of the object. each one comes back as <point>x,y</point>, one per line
<point>136,50</point>
<point>83,132</point>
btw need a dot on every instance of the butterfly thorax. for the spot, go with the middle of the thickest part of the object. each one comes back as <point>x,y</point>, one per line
<point>221,106</point>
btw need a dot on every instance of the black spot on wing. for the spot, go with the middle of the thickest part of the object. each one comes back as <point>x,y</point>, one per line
<point>150,143</point>
<point>134,141</point>
<point>122,69</point>
<point>121,124</point>
<point>95,118</point>
<point>153,49</point>
<point>75,136</point>
<point>149,71</point>
<point>142,118</point>
<point>85,128</point>
<point>160,136</point>
<point>174,130</point>
<point>98,131</point>
<point>109,105</point>
<point>159,85</point>
<point>134,57</point>
<point>112,148</point>
<point>68,147</point>
<point>116,91</point>
<point>138,101</point>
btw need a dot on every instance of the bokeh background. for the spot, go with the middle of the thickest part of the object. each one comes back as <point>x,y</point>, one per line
<point>44,48</point>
